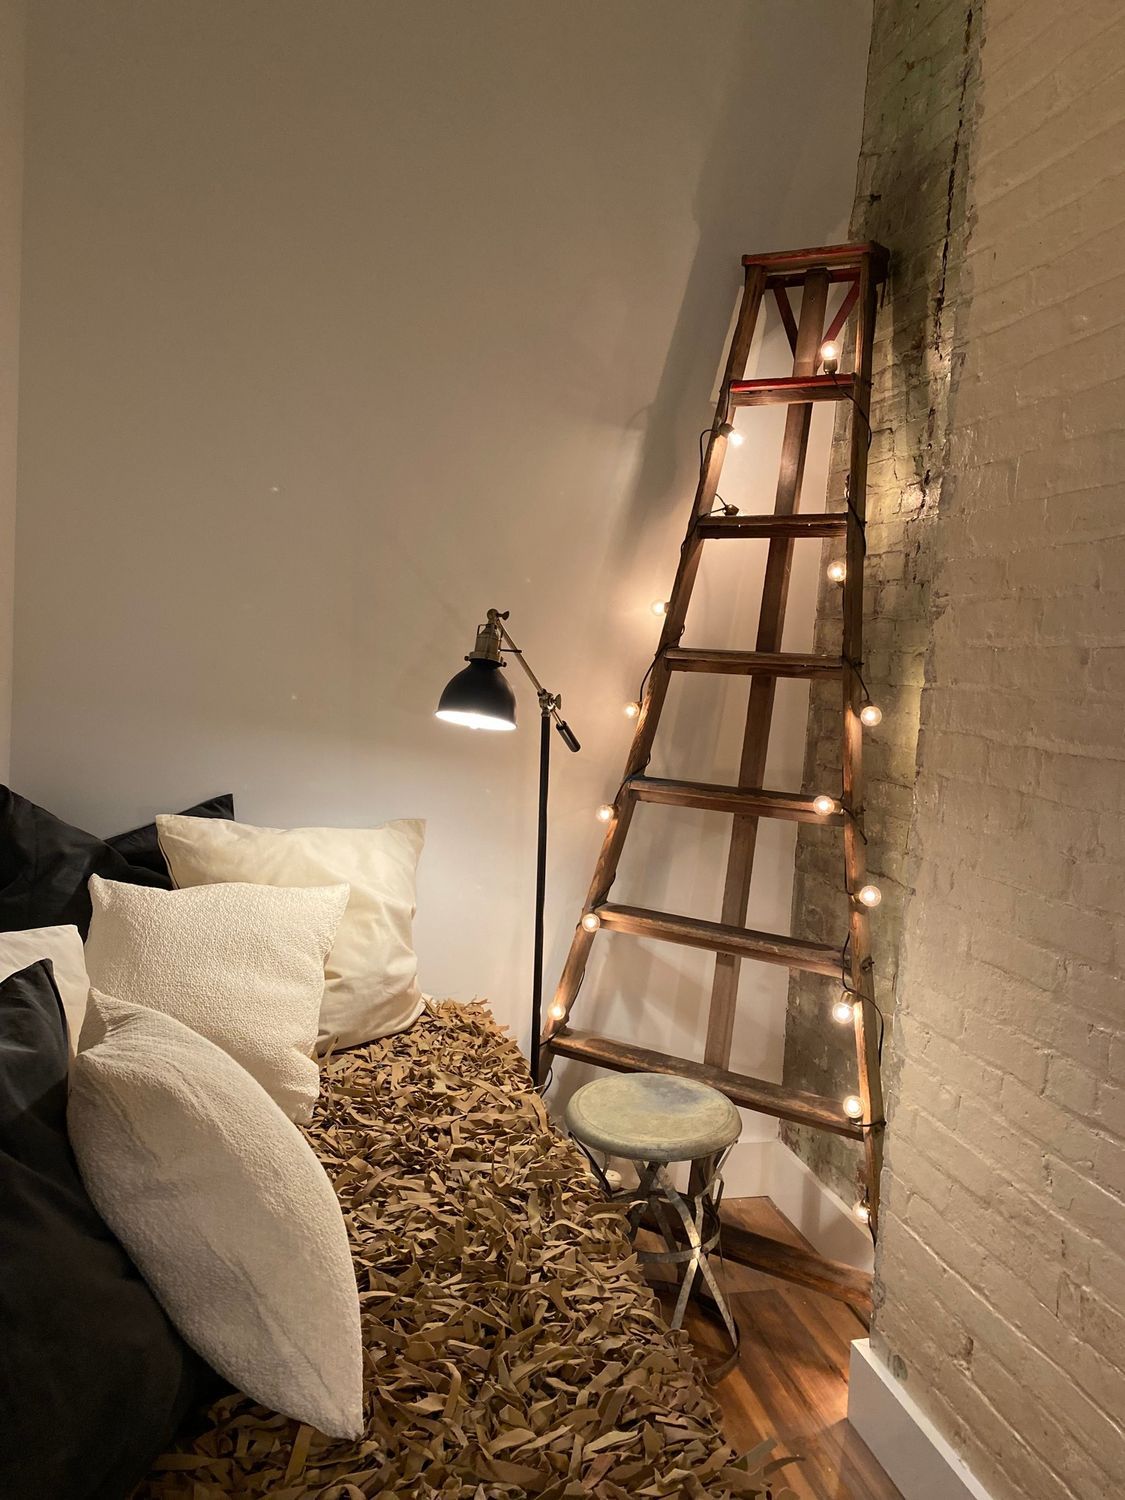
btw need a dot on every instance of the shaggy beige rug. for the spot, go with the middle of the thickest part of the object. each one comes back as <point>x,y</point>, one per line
<point>511,1345</point>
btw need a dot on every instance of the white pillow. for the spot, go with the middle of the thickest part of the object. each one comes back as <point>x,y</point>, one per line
<point>225,1209</point>
<point>63,946</point>
<point>240,964</point>
<point>372,987</point>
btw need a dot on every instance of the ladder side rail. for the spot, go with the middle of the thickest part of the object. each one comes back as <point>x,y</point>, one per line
<point>759,712</point>
<point>855,861</point>
<point>605,870</point>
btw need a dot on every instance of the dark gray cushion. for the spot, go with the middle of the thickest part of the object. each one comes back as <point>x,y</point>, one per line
<point>141,847</point>
<point>45,863</point>
<point>94,1380</point>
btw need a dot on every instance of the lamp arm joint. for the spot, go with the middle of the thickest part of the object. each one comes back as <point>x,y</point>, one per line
<point>549,703</point>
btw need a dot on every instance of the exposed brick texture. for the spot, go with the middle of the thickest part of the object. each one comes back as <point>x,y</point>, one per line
<point>997,564</point>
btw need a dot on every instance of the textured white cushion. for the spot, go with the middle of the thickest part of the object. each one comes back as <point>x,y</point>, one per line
<point>63,946</point>
<point>372,987</point>
<point>225,1209</point>
<point>240,964</point>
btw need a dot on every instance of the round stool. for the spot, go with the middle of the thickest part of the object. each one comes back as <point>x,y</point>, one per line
<point>654,1119</point>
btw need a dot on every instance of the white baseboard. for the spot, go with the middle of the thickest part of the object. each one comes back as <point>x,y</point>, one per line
<point>768,1169</point>
<point>910,1449</point>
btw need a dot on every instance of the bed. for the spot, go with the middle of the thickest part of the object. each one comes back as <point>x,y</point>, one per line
<point>511,1346</point>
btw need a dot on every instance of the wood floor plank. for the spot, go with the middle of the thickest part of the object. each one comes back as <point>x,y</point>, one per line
<point>790,1382</point>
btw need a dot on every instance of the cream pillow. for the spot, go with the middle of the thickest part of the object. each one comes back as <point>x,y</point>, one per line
<point>225,1209</point>
<point>241,964</point>
<point>372,973</point>
<point>63,946</point>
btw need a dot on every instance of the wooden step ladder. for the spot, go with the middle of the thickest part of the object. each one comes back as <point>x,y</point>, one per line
<point>815,377</point>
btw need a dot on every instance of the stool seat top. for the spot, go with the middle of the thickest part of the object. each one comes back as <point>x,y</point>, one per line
<point>652,1117</point>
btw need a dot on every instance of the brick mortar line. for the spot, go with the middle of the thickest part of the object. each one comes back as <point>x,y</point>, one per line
<point>1018,1334</point>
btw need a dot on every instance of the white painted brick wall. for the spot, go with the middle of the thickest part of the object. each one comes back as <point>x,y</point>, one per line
<point>1001,1270</point>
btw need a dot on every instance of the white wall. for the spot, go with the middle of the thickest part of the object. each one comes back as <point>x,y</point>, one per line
<point>12,22</point>
<point>344,322</point>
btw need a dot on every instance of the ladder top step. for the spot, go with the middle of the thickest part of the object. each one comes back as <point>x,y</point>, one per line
<point>791,390</point>
<point>795,527</point>
<point>819,1111</point>
<point>793,807</point>
<point>718,937</point>
<point>838,258</point>
<point>751,663</point>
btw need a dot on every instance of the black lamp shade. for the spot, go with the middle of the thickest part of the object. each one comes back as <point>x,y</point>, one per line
<point>479,697</point>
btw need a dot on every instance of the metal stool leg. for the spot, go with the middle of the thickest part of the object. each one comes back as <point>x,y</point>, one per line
<point>699,1233</point>
<point>698,1215</point>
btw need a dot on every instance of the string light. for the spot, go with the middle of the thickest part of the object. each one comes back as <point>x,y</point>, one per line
<point>870,895</point>
<point>862,1212</point>
<point>632,710</point>
<point>605,812</point>
<point>557,1012</point>
<point>837,570</point>
<point>735,439</point>
<point>870,714</point>
<point>843,1011</point>
<point>659,606</point>
<point>853,1106</point>
<point>824,805</point>
<point>591,921</point>
<point>830,357</point>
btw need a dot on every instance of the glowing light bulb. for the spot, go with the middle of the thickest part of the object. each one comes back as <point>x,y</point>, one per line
<point>735,439</point>
<point>837,570</point>
<point>853,1106</point>
<point>632,710</point>
<point>862,1213</point>
<point>824,805</point>
<point>843,1011</point>
<point>870,715</point>
<point>830,357</point>
<point>659,606</point>
<point>870,895</point>
<point>557,1012</point>
<point>605,813</point>
<point>591,921</point>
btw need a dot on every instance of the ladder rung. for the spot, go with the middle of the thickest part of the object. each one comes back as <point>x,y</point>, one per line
<point>791,390</point>
<point>816,1110</point>
<point>793,807</point>
<point>794,527</point>
<point>717,937</point>
<point>751,663</point>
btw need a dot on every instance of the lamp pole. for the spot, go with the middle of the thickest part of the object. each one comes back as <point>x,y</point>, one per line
<point>463,703</point>
<point>549,705</point>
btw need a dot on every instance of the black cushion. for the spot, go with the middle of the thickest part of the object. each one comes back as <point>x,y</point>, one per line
<point>141,847</point>
<point>94,1380</point>
<point>45,864</point>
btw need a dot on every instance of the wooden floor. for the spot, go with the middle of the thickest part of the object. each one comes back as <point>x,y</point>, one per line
<point>791,1379</point>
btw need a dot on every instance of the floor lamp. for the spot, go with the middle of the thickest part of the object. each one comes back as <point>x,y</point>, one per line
<point>479,697</point>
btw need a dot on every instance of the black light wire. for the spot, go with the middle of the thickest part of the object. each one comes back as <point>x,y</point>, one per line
<point>862,999</point>
<point>720,503</point>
